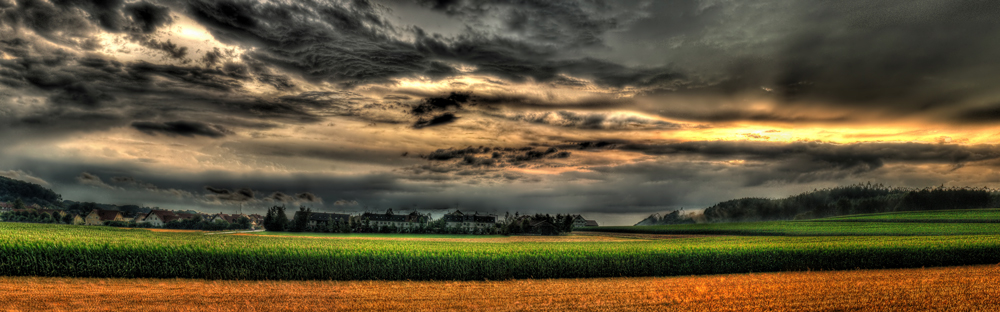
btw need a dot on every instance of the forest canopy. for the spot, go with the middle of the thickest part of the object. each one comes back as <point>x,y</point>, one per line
<point>29,193</point>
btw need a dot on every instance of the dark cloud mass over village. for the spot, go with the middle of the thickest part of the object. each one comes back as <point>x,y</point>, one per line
<point>613,109</point>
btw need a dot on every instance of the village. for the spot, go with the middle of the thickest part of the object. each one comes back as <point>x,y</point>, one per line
<point>303,220</point>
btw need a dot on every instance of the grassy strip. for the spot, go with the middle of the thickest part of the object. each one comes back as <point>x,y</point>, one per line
<point>52,250</point>
<point>812,228</point>
<point>990,215</point>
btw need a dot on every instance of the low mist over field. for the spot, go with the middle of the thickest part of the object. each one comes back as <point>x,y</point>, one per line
<point>610,109</point>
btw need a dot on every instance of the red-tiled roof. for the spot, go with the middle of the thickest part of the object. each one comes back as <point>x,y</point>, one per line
<point>164,215</point>
<point>106,215</point>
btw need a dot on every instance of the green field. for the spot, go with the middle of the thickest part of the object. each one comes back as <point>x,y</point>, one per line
<point>371,235</point>
<point>946,216</point>
<point>83,251</point>
<point>922,223</point>
<point>812,228</point>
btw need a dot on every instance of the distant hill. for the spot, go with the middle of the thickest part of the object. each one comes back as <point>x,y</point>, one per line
<point>29,193</point>
<point>674,217</point>
<point>838,201</point>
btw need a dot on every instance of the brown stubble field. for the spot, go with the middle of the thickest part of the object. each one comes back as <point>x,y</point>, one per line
<point>967,288</point>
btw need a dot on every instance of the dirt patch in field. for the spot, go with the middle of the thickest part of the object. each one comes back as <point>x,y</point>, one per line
<point>969,288</point>
<point>174,231</point>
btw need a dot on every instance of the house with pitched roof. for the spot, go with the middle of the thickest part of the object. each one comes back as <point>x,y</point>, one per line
<point>158,218</point>
<point>98,216</point>
<point>579,221</point>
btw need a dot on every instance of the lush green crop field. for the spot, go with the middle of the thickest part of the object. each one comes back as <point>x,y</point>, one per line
<point>951,216</point>
<point>372,235</point>
<point>64,250</point>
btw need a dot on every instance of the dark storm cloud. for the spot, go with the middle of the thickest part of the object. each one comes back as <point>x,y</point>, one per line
<point>801,162</point>
<point>237,195</point>
<point>593,121</point>
<point>83,87</point>
<point>308,197</point>
<point>300,197</point>
<point>181,128</point>
<point>563,23</point>
<point>492,157</point>
<point>454,100</point>
<point>872,155</point>
<point>92,180</point>
<point>354,44</point>
<point>904,57</point>
<point>438,120</point>
<point>72,21</point>
<point>172,49</point>
<point>147,16</point>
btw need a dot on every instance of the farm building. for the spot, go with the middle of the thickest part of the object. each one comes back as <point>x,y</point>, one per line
<point>256,219</point>
<point>413,219</point>
<point>98,216</point>
<point>159,217</point>
<point>470,222</point>
<point>579,221</point>
<point>322,219</point>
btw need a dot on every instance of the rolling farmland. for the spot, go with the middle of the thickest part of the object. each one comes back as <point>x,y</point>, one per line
<point>76,251</point>
<point>944,216</point>
<point>919,223</point>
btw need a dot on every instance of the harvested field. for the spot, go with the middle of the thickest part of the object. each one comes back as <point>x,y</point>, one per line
<point>967,288</point>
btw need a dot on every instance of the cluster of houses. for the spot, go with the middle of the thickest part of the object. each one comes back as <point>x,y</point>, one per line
<point>158,218</point>
<point>455,219</point>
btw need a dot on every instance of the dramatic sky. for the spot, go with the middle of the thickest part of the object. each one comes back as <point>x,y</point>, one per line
<point>612,109</point>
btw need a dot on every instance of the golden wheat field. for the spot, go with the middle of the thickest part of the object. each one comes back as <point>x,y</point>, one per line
<point>966,288</point>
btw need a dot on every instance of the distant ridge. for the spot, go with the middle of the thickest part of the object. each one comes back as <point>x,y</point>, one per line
<point>29,193</point>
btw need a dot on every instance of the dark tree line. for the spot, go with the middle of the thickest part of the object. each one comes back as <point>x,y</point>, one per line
<point>852,199</point>
<point>33,216</point>
<point>29,193</point>
<point>193,223</point>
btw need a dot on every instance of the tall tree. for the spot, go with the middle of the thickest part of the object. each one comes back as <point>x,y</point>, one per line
<point>280,219</point>
<point>268,222</point>
<point>18,204</point>
<point>301,219</point>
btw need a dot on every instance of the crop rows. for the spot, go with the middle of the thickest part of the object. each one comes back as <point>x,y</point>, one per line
<point>74,251</point>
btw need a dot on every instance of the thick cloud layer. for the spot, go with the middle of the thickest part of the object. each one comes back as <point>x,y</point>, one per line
<point>566,105</point>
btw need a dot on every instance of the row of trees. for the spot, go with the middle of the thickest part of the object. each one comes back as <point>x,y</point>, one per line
<point>194,223</point>
<point>33,216</point>
<point>28,193</point>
